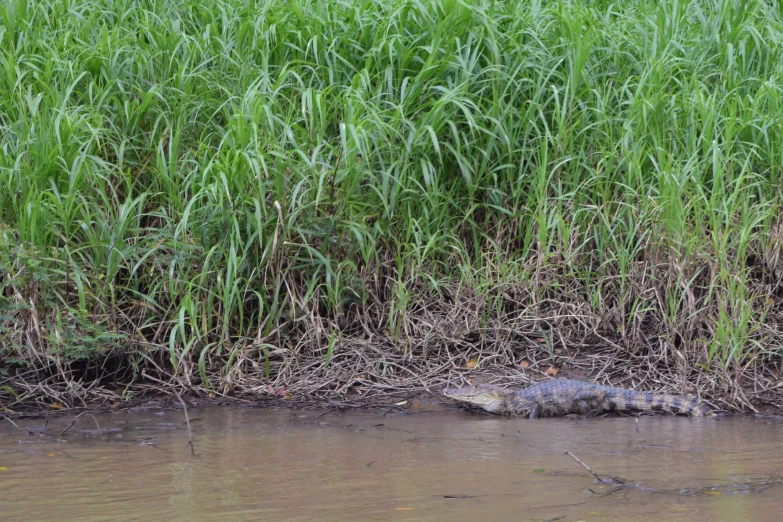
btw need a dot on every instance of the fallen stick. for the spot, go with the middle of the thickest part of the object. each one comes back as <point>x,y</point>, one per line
<point>184,406</point>
<point>12,422</point>
<point>74,422</point>
<point>614,480</point>
<point>187,421</point>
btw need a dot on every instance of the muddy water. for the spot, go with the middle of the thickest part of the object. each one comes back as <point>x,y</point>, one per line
<point>255,465</point>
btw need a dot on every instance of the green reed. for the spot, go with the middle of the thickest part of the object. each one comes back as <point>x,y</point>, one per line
<point>193,176</point>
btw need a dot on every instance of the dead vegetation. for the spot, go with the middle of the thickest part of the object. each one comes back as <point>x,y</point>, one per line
<point>510,335</point>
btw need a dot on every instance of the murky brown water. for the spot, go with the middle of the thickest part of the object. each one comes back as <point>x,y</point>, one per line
<point>255,465</point>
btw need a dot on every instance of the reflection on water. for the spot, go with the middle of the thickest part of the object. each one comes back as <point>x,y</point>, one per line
<point>255,465</point>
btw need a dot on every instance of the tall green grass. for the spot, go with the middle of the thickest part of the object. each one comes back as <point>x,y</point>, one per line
<point>196,177</point>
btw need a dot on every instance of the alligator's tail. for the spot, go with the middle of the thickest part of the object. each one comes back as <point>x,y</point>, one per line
<point>659,401</point>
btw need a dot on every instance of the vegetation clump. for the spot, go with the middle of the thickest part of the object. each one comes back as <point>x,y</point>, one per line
<point>309,197</point>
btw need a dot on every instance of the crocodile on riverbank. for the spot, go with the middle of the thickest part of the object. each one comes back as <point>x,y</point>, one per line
<point>563,396</point>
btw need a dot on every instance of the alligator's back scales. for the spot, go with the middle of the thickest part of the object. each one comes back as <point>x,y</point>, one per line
<point>563,396</point>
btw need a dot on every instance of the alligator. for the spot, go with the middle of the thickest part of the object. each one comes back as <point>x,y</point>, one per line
<point>563,397</point>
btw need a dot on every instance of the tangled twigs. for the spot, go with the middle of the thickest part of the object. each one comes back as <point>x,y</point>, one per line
<point>455,341</point>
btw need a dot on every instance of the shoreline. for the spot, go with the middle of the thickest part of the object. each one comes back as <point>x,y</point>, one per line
<point>391,406</point>
<point>359,394</point>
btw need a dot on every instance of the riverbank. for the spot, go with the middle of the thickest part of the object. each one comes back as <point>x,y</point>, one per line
<point>350,379</point>
<point>333,199</point>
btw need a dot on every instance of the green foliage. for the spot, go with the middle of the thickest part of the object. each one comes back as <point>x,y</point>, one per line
<point>196,174</point>
<point>78,340</point>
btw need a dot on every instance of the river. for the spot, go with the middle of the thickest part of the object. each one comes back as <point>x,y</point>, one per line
<point>252,464</point>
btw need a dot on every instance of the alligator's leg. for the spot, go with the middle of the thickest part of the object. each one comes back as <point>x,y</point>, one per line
<point>589,401</point>
<point>584,408</point>
<point>535,411</point>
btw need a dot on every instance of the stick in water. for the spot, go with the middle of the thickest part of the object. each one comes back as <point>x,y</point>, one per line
<point>593,473</point>
<point>76,418</point>
<point>187,421</point>
<point>12,422</point>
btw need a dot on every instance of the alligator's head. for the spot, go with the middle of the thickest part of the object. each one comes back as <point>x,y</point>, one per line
<point>486,396</point>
